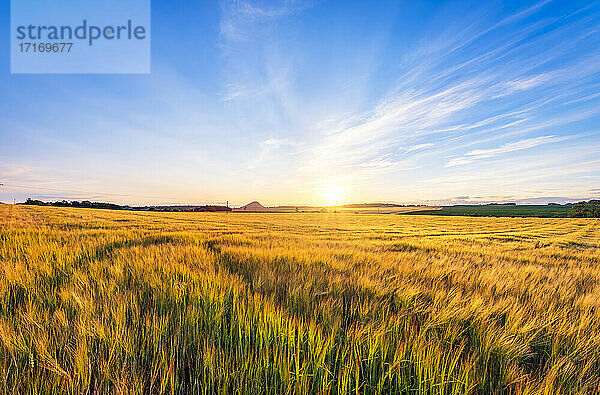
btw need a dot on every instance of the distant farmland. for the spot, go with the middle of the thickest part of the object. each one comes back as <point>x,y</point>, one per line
<point>543,211</point>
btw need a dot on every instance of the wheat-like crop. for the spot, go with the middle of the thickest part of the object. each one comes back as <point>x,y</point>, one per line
<point>95,301</point>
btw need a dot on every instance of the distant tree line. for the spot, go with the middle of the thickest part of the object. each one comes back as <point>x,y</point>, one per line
<point>83,204</point>
<point>589,209</point>
<point>111,206</point>
<point>185,209</point>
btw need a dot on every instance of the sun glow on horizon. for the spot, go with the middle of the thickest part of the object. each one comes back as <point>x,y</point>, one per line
<point>334,194</point>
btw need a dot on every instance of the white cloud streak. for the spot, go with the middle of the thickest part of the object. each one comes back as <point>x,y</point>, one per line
<point>444,106</point>
<point>503,149</point>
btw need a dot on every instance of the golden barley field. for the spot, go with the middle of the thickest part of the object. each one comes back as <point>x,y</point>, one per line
<point>95,301</point>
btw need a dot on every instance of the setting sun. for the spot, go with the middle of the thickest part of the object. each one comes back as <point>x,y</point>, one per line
<point>333,195</point>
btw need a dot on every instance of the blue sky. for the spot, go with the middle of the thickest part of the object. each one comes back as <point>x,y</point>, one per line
<point>313,102</point>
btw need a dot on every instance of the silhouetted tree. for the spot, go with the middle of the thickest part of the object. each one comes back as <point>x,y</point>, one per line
<point>589,209</point>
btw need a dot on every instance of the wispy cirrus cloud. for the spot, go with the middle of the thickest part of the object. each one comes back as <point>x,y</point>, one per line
<point>271,146</point>
<point>240,17</point>
<point>14,170</point>
<point>419,147</point>
<point>503,149</point>
<point>489,99</point>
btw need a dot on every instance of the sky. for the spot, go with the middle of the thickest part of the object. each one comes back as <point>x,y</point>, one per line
<point>320,102</point>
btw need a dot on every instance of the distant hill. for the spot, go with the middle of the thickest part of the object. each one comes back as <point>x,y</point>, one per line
<point>253,206</point>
